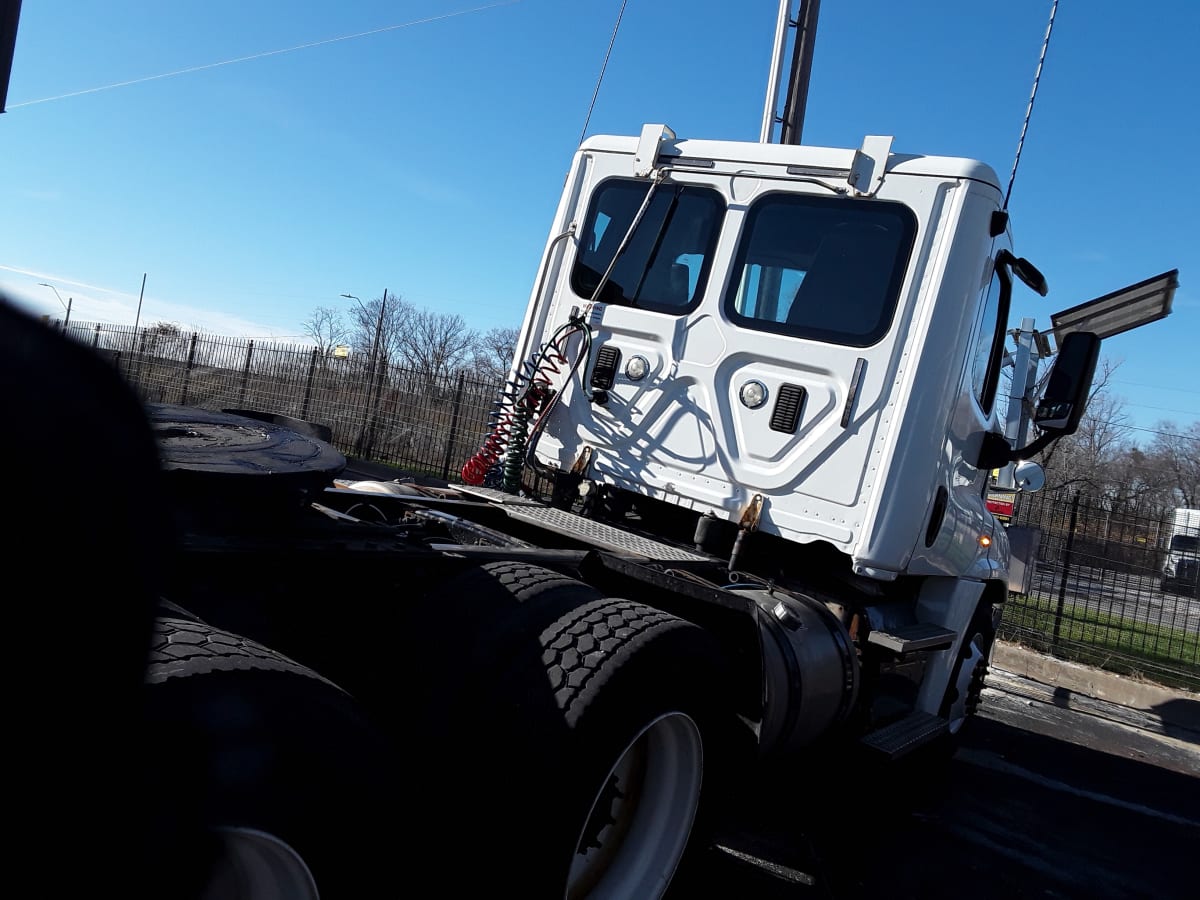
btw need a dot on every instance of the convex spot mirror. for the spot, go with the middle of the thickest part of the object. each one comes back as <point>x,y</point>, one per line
<point>1066,393</point>
<point>1029,476</point>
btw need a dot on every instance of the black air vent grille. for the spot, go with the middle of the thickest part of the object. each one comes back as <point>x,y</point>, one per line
<point>786,415</point>
<point>605,370</point>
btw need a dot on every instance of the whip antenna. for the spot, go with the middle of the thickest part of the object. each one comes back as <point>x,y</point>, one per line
<point>1029,110</point>
<point>612,40</point>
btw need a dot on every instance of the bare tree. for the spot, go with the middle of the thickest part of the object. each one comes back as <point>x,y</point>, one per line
<point>436,343</point>
<point>327,327</point>
<point>1175,453</point>
<point>493,355</point>
<point>164,339</point>
<point>365,324</point>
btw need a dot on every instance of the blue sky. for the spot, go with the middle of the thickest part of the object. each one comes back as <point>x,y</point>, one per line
<point>428,158</point>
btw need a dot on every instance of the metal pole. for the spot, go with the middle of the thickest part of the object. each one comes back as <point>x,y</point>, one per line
<point>770,112</point>
<point>67,320</point>
<point>458,394</point>
<point>141,294</point>
<point>1067,554</point>
<point>187,372</point>
<point>308,386</point>
<point>245,374</point>
<point>1020,398</point>
<point>366,437</point>
<point>802,57</point>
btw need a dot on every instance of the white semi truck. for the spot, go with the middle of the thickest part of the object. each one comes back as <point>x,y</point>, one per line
<point>1181,566</point>
<point>761,386</point>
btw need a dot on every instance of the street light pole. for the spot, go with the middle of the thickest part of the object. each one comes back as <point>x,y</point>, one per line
<point>366,437</point>
<point>67,320</point>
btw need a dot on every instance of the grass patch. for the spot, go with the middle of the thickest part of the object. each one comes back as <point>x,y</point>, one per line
<point>1160,653</point>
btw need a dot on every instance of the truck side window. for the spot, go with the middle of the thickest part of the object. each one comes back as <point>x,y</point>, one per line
<point>987,350</point>
<point>829,269</point>
<point>666,262</point>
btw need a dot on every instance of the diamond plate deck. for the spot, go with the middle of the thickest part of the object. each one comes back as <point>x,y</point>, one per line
<point>598,534</point>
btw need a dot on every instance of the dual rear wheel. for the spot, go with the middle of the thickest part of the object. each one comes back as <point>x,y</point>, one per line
<point>543,738</point>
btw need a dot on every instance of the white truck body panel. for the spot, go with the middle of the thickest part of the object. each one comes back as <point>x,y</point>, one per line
<point>866,486</point>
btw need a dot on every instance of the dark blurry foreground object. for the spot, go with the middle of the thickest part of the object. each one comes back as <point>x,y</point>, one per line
<point>85,539</point>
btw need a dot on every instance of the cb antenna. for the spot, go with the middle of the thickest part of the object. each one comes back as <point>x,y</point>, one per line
<point>1037,76</point>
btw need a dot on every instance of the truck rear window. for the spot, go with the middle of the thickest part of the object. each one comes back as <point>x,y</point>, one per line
<point>665,264</point>
<point>828,269</point>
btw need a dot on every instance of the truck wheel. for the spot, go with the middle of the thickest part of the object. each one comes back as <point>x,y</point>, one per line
<point>621,730</point>
<point>472,626</point>
<point>266,782</point>
<point>966,684</point>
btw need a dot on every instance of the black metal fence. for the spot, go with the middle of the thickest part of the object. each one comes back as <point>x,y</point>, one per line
<point>424,423</point>
<point>1096,594</point>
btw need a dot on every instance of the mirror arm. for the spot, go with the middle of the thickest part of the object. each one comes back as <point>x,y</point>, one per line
<point>1037,445</point>
<point>995,452</point>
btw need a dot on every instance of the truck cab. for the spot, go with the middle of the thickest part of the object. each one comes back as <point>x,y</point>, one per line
<point>806,338</point>
<point>1181,567</point>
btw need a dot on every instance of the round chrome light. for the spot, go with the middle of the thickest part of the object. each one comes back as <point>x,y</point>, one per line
<point>637,368</point>
<point>753,394</point>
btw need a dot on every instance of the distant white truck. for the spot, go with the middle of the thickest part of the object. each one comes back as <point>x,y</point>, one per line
<point>1181,568</point>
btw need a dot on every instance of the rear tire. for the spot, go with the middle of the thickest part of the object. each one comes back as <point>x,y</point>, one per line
<point>267,780</point>
<point>611,738</point>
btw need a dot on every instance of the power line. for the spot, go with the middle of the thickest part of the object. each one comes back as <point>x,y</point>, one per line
<point>1173,434</point>
<point>1185,412</point>
<point>1159,387</point>
<point>266,53</point>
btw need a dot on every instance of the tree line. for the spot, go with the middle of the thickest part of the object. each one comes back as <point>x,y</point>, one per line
<point>1123,466</point>
<point>412,337</point>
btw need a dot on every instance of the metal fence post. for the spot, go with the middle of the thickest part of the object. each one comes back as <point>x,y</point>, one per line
<point>1067,553</point>
<point>312,371</point>
<point>245,374</point>
<point>458,392</point>
<point>187,372</point>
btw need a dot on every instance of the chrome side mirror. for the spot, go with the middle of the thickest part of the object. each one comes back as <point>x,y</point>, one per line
<point>1029,476</point>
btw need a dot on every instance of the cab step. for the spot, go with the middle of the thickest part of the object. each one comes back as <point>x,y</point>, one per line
<point>911,638</point>
<point>906,735</point>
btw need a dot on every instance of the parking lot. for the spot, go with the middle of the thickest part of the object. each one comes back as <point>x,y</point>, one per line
<point>1135,597</point>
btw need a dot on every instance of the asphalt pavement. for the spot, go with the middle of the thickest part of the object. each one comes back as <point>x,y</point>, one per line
<point>1072,783</point>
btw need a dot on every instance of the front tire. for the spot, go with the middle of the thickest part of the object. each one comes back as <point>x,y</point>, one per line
<point>966,684</point>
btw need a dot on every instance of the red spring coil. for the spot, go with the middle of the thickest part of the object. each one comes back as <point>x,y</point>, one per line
<point>475,469</point>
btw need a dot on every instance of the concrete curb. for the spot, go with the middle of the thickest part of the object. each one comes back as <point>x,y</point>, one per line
<point>1174,710</point>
